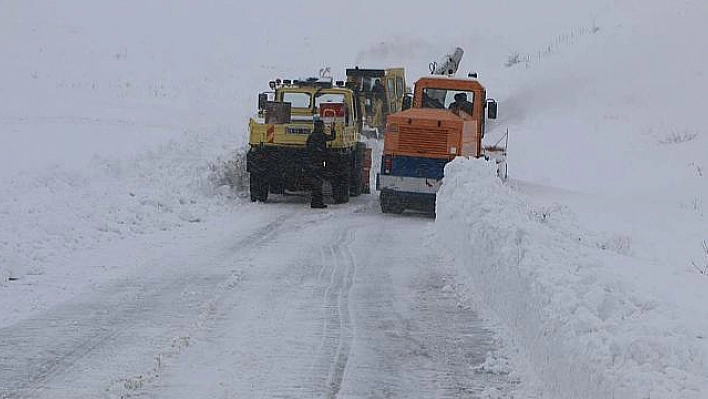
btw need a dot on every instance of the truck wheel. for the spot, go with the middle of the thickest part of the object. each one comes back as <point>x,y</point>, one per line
<point>390,203</point>
<point>341,178</point>
<point>258,187</point>
<point>356,188</point>
<point>366,172</point>
<point>340,189</point>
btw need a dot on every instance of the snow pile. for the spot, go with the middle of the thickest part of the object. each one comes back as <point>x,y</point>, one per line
<point>52,214</point>
<point>118,121</point>
<point>587,256</point>
<point>586,330</point>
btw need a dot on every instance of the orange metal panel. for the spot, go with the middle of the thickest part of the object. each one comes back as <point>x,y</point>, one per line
<point>470,139</point>
<point>431,133</point>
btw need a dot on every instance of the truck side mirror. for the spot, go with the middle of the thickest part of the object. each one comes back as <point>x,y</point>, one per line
<point>407,102</point>
<point>492,109</point>
<point>262,99</point>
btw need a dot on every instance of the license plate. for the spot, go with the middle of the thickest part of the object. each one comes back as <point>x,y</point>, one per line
<point>298,130</point>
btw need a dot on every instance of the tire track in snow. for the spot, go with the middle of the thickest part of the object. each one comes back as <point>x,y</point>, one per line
<point>415,338</point>
<point>330,362</point>
<point>38,354</point>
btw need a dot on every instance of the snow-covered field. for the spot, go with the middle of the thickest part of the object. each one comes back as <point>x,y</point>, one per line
<point>117,122</point>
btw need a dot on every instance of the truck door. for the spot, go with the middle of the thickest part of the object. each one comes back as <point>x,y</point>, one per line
<point>391,95</point>
<point>395,88</point>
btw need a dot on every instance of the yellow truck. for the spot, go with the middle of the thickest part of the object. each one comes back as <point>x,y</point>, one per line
<point>373,113</point>
<point>277,157</point>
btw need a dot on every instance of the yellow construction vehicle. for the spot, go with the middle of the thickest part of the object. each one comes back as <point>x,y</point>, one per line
<point>374,105</point>
<point>277,156</point>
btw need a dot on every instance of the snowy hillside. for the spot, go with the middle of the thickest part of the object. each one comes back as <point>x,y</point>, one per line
<point>594,257</point>
<point>118,120</point>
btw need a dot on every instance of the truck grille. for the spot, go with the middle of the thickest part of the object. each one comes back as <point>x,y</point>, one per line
<point>422,140</point>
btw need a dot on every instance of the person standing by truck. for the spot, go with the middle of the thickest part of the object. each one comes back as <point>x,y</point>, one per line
<point>317,155</point>
<point>379,97</point>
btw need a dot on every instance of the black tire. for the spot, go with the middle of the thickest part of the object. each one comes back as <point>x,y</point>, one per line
<point>341,178</point>
<point>356,186</point>
<point>340,189</point>
<point>390,203</point>
<point>258,187</point>
<point>253,188</point>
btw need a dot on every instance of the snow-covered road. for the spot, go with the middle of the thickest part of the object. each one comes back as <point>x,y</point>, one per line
<point>297,303</point>
<point>130,266</point>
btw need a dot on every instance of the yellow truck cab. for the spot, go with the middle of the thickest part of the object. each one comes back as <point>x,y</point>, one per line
<point>362,81</point>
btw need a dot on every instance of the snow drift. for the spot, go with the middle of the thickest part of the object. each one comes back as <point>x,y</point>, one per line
<point>587,331</point>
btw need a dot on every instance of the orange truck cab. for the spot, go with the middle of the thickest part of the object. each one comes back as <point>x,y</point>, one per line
<point>447,119</point>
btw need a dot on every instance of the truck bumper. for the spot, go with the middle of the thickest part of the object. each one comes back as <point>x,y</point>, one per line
<point>407,184</point>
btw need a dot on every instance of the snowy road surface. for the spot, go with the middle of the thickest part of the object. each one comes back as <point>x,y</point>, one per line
<point>344,302</point>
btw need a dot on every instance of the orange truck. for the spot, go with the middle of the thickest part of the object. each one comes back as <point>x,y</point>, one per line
<point>421,140</point>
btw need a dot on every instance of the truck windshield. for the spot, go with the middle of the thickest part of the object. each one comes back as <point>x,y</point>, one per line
<point>446,99</point>
<point>297,99</point>
<point>328,98</point>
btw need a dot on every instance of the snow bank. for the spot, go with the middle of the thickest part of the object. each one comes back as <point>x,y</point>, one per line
<point>46,216</point>
<point>117,121</point>
<point>585,330</point>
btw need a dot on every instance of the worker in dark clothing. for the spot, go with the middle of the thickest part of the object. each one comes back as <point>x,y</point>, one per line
<point>317,154</point>
<point>461,104</point>
<point>378,90</point>
<point>379,97</point>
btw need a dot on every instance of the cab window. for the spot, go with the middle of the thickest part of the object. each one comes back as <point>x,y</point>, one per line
<point>390,88</point>
<point>467,96</point>
<point>399,86</point>
<point>337,98</point>
<point>297,100</point>
<point>434,98</point>
<point>328,98</point>
<point>442,98</point>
